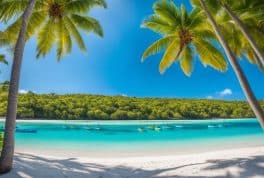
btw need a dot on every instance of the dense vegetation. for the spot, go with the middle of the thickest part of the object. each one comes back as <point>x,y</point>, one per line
<point>52,106</point>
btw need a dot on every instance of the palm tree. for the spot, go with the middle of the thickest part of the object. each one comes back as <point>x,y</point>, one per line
<point>245,31</point>
<point>169,22</point>
<point>53,22</point>
<point>240,12</point>
<point>7,152</point>
<point>236,67</point>
<point>237,41</point>
<point>183,35</point>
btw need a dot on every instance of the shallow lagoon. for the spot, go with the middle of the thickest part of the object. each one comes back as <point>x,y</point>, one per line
<point>137,137</point>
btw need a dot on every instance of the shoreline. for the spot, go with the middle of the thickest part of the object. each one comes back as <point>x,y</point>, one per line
<point>242,162</point>
<point>105,122</point>
<point>99,153</point>
<point>170,156</point>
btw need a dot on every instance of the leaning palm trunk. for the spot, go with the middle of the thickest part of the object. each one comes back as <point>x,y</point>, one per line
<point>7,153</point>
<point>246,33</point>
<point>237,69</point>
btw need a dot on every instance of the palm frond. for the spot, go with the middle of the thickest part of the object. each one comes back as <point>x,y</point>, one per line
<point>3,59</point>
<point>45,39</point>
<point>64,43</point>
<point>158,25</point>
<point>158,46</point>
<point>210,55</point>
<point>10,9</point>
<point>75,33</point>
<point>170,55</point>
<point>167,11</point>
<point>187,61</point>
<point>83,6</point>
<point>88,24</point>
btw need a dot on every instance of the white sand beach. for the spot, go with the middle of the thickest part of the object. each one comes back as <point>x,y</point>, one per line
<point>237,163</point>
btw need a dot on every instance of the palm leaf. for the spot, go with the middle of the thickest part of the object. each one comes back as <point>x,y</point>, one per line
<point>210,55</point>
<point>158,25</point>
<point>75,33</point>
<point>82,6</point>
<point>45,39</point>
<point>167,11</point>
<point>169,56</point>
<point>158,46</point>
<point>10,9</point>
<point>64,43</point>
<point>187,61</point>
<point>88,24</point>
<point>3,59</point>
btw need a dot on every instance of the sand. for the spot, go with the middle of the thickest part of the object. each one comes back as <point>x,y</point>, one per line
<point>243,162</point>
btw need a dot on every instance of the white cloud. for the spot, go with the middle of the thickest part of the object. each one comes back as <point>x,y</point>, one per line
<point>220,94</point>
<point>22,91</point>
<point>226,92</point>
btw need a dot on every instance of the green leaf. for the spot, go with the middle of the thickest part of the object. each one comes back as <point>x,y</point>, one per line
<point>169,56</point>
<point>64,43</point>
<point>75,33</point>
<point>88,24</point>
<point>3,59</point>
<point>210,55</point>
<point>187,61</point>
<point>158,25</point>
<point>158,46</point>
<point>83,6</point>
<point>46,39</point>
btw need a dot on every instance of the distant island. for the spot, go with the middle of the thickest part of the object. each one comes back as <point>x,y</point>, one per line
<point>96,107</point>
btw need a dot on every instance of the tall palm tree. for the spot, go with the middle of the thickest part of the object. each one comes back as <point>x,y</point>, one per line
<point>245,31</point>
<point>166,21</point>
<point>53,22</point>
<point>237,41</point>
<point>7,152</point>
<point>183,35</point>
<point>239,12</point>
<point>236,67</point>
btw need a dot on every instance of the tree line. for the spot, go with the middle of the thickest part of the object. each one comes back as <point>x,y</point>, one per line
<point>53,106</point>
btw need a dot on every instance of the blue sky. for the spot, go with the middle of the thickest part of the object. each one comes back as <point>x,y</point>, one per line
<point>112,65</point>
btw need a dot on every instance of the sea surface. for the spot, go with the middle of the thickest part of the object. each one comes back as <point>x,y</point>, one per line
<point>136,138</point>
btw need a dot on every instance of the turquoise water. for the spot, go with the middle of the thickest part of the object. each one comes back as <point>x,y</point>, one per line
<point>128,136</point>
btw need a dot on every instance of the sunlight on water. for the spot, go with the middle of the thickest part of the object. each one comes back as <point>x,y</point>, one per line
<point>88,135</point>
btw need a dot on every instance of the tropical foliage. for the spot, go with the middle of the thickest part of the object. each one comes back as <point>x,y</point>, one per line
<point>251,15</point>
<point>3,60</point>
<point>183,35</point>
<point>54,22</point>
<point>52,106</point>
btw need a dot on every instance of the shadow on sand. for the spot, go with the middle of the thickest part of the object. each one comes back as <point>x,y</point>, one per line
<point>27,166</point>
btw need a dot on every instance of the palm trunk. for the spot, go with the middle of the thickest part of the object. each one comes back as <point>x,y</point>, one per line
<point>245,32</point>
<point>7,154</point>
<point>237,69</point>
